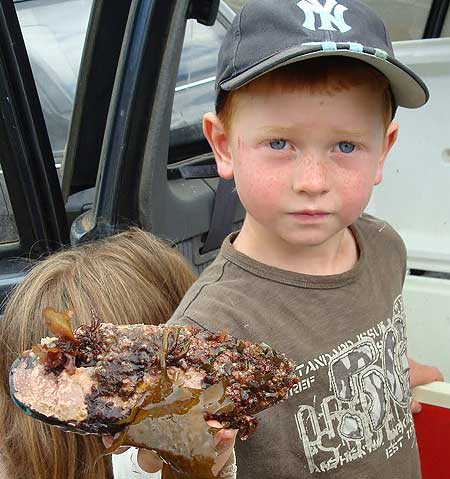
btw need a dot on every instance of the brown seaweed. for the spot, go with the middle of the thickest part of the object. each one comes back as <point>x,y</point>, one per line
<point>156,386</point>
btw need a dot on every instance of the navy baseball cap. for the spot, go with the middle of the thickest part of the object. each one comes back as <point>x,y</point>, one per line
<point>268,34</point>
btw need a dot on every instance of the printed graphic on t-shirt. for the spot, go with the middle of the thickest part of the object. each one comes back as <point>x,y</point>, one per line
<point>368,405</point>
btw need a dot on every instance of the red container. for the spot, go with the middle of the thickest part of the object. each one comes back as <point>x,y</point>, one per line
<point>433,438</point>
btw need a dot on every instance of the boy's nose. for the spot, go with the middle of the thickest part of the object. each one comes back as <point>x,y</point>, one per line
<point>310,176</point>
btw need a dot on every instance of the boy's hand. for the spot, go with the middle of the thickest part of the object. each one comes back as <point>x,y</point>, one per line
<point>224,440</point>
<point>421,374</point>
<point>148,461</point>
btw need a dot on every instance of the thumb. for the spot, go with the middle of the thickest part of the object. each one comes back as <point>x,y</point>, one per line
<point>149,461</point>
<point>416,407</point>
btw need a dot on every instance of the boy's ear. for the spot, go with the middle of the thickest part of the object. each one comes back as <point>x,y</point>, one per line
<point>389,141</point>
<point>218,139</point>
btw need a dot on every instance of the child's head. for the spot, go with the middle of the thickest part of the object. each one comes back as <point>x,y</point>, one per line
<point>128,278</point>
<point>306,96</point>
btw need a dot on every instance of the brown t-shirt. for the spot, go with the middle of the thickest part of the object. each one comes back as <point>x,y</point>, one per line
<point>349,417</point>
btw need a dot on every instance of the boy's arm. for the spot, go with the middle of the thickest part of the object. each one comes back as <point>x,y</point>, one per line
<point>421,374</point>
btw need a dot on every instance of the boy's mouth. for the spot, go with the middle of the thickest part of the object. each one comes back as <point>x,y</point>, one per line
<point>310,215</point>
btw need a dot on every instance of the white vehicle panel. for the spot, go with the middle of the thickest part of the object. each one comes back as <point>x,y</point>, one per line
<point>415,193</point>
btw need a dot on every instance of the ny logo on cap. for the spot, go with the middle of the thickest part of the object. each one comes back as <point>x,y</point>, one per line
<point>332,13</point>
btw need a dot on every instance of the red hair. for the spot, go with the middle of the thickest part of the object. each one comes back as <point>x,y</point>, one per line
<point>325,74</point>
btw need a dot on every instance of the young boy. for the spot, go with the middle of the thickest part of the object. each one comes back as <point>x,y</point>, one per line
<point>306,96</point>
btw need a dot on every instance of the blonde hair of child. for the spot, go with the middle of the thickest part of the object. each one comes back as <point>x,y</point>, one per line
<point>128,278</point>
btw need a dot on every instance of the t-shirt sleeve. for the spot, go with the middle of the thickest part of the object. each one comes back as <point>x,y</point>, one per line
<point>385,243</point>
<point>215,304</point>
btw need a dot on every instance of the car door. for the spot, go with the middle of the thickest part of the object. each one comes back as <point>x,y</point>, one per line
<point>33,222</point>
<point>32,217</point>
<point>155,168</point>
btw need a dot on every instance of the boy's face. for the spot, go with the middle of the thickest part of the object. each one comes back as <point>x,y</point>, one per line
<point>304,163</point>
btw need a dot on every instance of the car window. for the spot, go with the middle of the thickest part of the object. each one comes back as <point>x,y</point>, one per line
<point>54,33</point>
<point>194,91</point>
<point>8,230</point>
<point>405,19</point>
<point>446,29</point>
<point>236,4</point>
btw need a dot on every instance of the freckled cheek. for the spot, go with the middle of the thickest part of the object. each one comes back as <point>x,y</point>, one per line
<point>259,191</point>
<point>258,182</point>
<point>355,193</point>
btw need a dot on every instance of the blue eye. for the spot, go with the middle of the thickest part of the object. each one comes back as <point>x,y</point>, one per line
<point>278,144</point>
<point>346,147</point>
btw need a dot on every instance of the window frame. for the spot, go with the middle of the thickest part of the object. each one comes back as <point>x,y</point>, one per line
<point>436,19</point>
<point>27,160</point>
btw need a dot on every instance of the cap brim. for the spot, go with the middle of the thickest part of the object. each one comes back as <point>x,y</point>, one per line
<point>408,89</point>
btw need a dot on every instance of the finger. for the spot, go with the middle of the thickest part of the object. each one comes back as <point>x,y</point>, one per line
<point>215,424</point>
<point>423,374</point>
<point>108,442</point>
<point>430,374</point>
<point>222,460</point>
<point>224,439</point>
<point>149,461</point>
<point>438,375</point>
<point>416,407</point>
